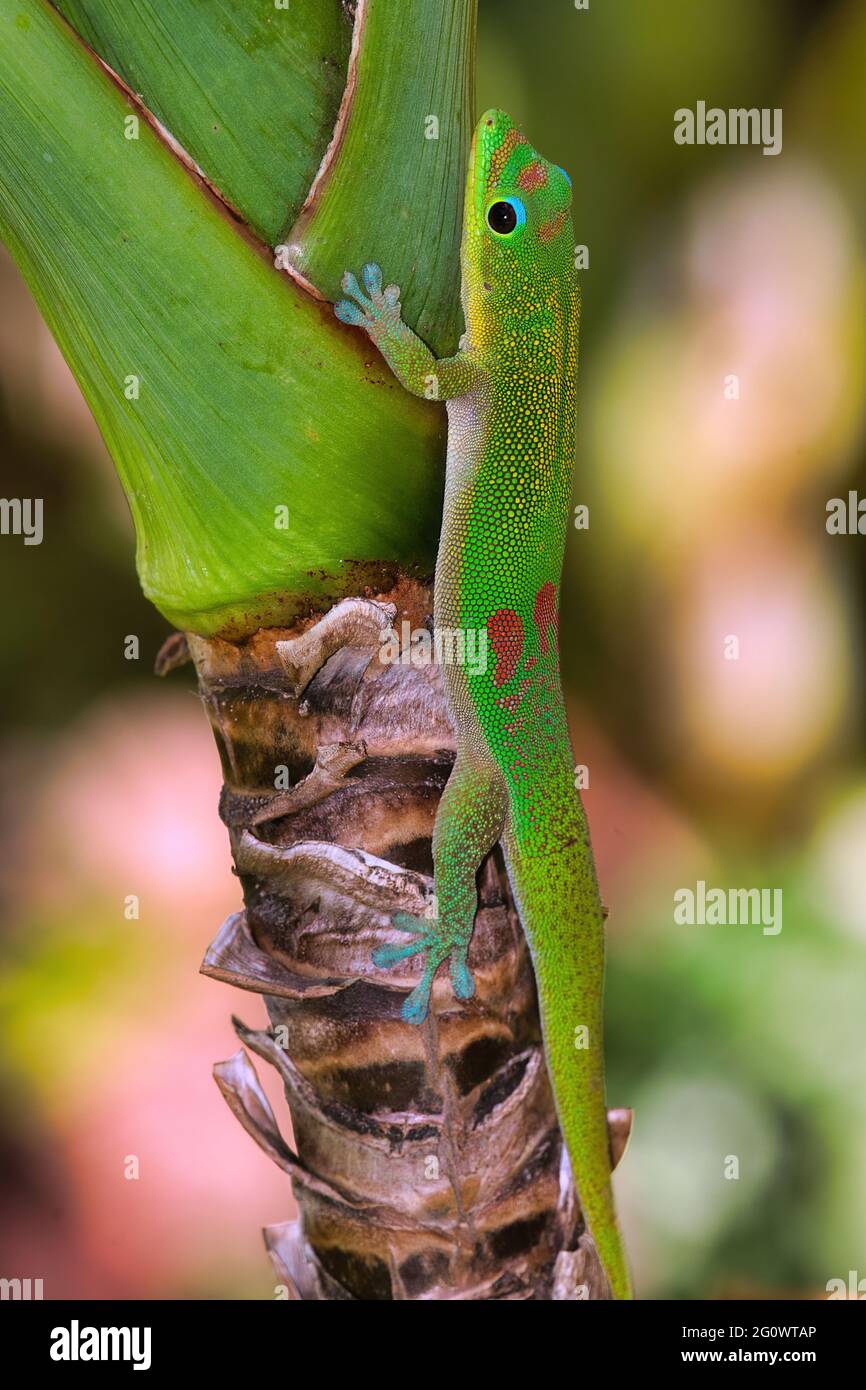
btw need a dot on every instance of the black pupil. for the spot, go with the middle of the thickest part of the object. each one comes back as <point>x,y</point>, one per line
<point>502,218</point>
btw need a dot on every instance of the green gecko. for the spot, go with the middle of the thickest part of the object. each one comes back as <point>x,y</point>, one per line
<point>510,393</point>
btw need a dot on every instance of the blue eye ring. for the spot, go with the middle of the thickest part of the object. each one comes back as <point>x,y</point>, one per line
<point>566,176</point>
<point>505,216</point>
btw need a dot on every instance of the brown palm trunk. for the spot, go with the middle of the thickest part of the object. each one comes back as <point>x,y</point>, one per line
<point>427,1161</point>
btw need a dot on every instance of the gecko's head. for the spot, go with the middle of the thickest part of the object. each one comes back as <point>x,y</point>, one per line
<point>517,224</point>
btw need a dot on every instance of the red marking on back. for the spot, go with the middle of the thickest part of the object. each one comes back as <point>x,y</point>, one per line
<point>505,631</point>
<point>546,617</point>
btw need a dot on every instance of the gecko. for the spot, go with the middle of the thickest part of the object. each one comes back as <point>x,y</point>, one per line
<point>510,394</point>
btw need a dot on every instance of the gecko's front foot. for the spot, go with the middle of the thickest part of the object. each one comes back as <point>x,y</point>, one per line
<point>377,311</point>
<point>437,946</point>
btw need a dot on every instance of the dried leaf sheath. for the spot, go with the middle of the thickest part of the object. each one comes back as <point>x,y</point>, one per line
<point>426,1162</point>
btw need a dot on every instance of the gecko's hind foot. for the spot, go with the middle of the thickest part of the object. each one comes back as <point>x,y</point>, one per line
<point>430,942</point>
<point>375,310</point>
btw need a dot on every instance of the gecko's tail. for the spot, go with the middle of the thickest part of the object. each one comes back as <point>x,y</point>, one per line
<point>557,897</point>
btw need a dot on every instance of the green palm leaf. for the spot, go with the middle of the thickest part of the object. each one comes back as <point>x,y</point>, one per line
<point>226,393</point>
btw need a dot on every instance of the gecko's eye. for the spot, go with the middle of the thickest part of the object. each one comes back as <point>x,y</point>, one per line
<point>505,216</point>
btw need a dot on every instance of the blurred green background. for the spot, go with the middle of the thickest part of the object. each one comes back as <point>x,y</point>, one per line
<point>707,520</point>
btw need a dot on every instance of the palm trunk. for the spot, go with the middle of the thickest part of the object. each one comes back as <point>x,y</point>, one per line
<point>428,1163</point>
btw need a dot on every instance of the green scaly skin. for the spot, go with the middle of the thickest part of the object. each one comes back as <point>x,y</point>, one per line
<point>511,421</point>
